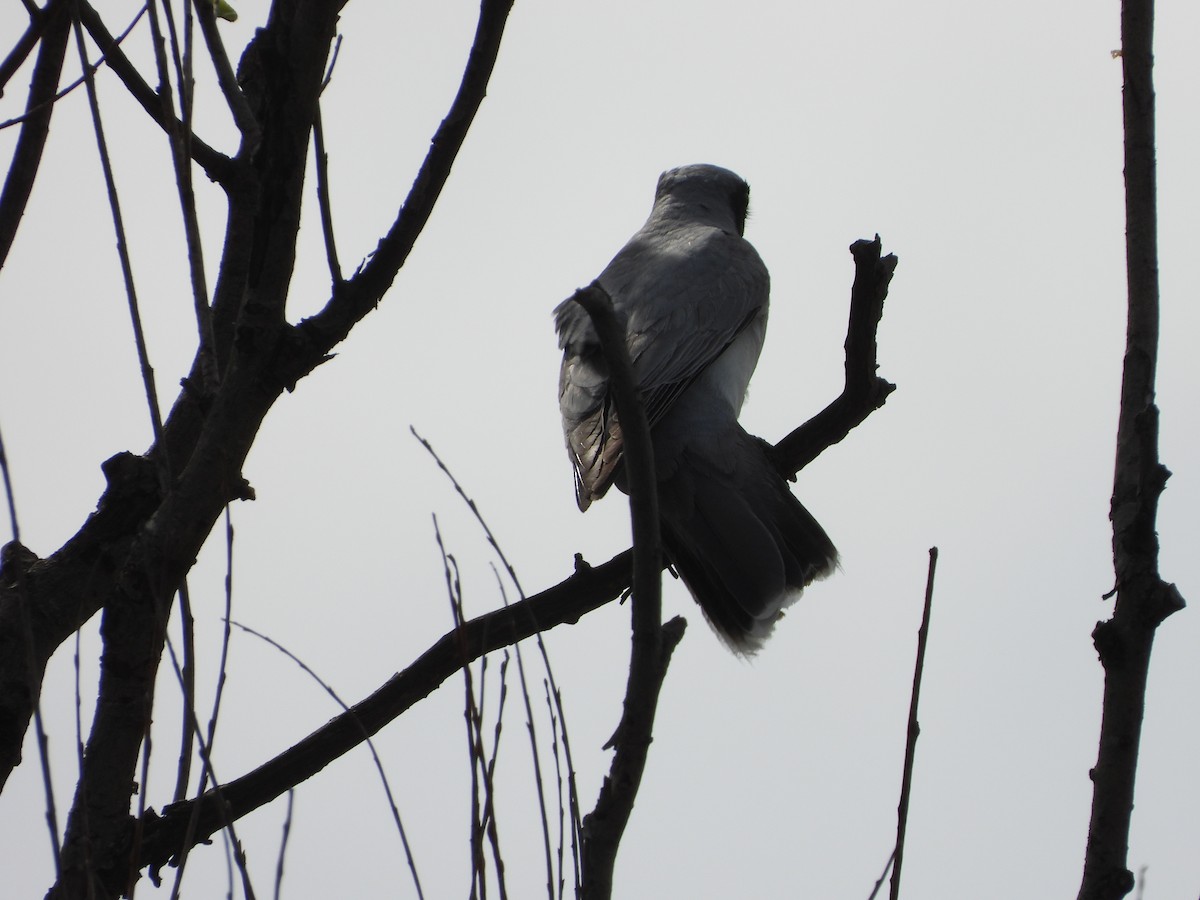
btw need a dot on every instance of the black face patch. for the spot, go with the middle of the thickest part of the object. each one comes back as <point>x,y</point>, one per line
<point>740,201</point>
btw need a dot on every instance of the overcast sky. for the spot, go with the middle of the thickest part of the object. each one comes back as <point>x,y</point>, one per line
<point>982,142</point>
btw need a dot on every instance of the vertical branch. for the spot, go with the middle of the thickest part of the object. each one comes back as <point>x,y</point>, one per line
<point>179,133</point>
<point>914,730</point>
<point>1143,601</point>
<point>653,643</point>
<point>132,632</point>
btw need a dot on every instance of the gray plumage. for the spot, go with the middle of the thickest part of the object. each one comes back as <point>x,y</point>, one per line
<point>693,295</point>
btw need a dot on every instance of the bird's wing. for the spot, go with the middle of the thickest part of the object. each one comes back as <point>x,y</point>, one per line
<point>685,306</point>
<point>684,296</point>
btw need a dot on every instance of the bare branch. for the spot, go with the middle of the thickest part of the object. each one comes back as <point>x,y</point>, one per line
<point>27,157</point>
<point>362,292</point>
<point>864,390</point>
<point>387,787</point>
<point>1144,600</point>
<point>324,202</point>
<point>529,720</point>
<point>133,633</point>
<point>651,652</point>
<point>914,729</point>
<point>207,436</point>
<point>588,589</point>
<point>216,165</point>
<point>22,48</point>
<point>180,138</point>
<point>88,70</point>
<point>239,107</point>
<point>14,563</point>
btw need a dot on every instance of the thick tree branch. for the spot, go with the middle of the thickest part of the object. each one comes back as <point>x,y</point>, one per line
<point>94,863</point>
<point>1144,600</point>
<point>58,594</point>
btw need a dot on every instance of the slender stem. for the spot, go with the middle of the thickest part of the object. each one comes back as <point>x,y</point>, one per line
<point>914,730</point>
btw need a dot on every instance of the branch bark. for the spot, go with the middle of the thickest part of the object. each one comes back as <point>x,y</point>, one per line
<point>1144,600</point>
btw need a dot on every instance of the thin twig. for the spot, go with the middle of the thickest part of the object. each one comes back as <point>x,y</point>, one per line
<point>126,264</point>
<point>471,717</point>
<point>887,867</point>
<point>216,165</point>
<point>572,799</point>
<point>323,200</point>
<point>531,730</point>
<point>78,82</point>
<point>10,497</point>
<point>179,134</point>
<point>493,830</point>
<point>239,106</point>
<point>207,742</point>
<point>387,787</point>
<point>914,729</point>
<point>22,48</point>
<point>512,574</point>
<point>187,738</point>
<point>362,292</point>
<point>207,775</point>
<point>283,843</point>
<point>43,741</point>
<point>558,780</point>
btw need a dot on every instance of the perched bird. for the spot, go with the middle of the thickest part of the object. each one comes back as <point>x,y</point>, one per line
<point>692,295</point>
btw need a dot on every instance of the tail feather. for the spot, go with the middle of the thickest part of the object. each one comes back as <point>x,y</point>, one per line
<point>742,543</point>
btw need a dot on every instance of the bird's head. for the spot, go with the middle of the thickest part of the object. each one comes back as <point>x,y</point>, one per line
<point>707,192</point>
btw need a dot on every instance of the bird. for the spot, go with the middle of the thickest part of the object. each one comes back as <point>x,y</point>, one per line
<point>692,295</point>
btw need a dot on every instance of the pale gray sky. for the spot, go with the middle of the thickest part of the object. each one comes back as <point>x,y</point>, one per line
<point>981,141</point>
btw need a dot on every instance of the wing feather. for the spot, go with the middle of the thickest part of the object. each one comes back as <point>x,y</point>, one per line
<point>684,297</point>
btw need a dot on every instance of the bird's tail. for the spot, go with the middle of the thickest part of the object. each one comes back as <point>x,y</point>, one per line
<point>742,543</point>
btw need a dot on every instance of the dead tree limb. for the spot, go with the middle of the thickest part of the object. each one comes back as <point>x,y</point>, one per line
<point>1144,600</point>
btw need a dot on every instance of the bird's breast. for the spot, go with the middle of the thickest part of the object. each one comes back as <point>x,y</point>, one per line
<point>728,378</point>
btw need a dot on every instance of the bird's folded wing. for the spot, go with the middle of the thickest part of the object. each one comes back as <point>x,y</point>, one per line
<point>682,302</point>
